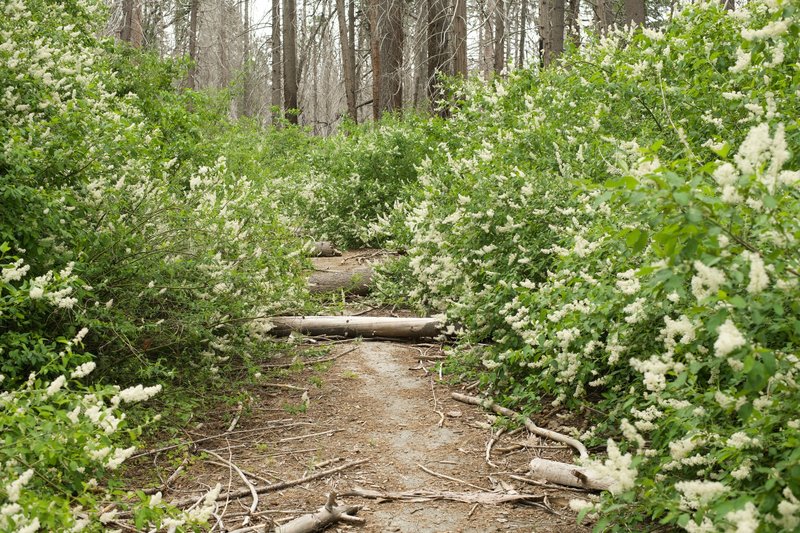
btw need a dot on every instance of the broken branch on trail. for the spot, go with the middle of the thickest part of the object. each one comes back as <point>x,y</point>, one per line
<point>353,282</point>
<point>527,422</point>
<point>357,326</point>
<point>323,249</point>
<point>486,498</point>
<point>326,516</point>
<point>569,475</point>
<point>236,494</point>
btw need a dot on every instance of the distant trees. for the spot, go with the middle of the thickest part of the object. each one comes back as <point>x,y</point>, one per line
<point>314,62</point>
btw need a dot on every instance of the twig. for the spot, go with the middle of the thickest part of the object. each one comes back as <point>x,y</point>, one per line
<point>169,480</point>
<point>545,483</point>
<point>300,437</point>
<point>492,439</point>
<point>436,402</point>
<point>444,476</point>
<point>217,436</point>
<point>323,464</point>
<point>533,428</point>
<point>284,386</point>
<point>471,511</point>
<point>235,420</point>
<point>486,498</point>
<point>238,470</point>
<point>310,361</point>
<point>276,486</point>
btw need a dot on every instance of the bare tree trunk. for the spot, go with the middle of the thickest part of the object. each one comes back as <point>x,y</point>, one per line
<point>247,89</point>
<point>523,22</point>
<point>500,36</point>
<point>545,37</point>
<point>729,5</point>
<point>351,35</point>
<point>557,29</point>
<point>290,60</point>
<point>277,92</point>
<point>375,53</point>
<point>488,39</point>
<point>634,12</point>
<point>573,23</point>
<point>348,64</point>
<point>194,7</point>
<point>420,51</point>
<point>460,38</point>
<point>437,48</point>
<point>604,16</point>
<point>131,31</point>
<point>392,55</point>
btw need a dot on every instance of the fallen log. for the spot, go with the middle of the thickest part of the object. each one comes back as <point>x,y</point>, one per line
<point>527,422</point>
<point>417,496</point>
<point>326,516</point>
<point>569,475</point>
<point>357,326</point>
<point>323,249</point>
<point>353,282</point>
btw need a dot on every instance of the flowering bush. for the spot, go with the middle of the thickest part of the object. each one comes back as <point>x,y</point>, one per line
<point>624,226</point>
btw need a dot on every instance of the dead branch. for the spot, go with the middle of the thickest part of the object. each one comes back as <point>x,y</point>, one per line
<point>486,498</point>
<point>235,420</point>
<point>444,476</point>
<point>329,514</point>
<point>527,422</point>
<point>358,326</point>
<point>567,474</point>
<point>238,470</point>
<point>309,361</point>
<point>301,437</point>
<point>323,249</point>
<point>275,486</point>
<point>492,439</point>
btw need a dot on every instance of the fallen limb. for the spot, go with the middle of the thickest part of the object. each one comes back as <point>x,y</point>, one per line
<point>486,498</point>
<point>355,282</point>
<point>250,486</point>
<point>309,361</point>
<point>275,486</point>
<point>449,478</point>
<point>527,422</point>
<point>326,516</point>
<point>323,249</point>
<point>567,474</point>
<point>358,326</point>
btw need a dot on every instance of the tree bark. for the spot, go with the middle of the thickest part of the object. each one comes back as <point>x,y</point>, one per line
<point>545,36</point>
<point>437,48</point>
<point>348,65</point>
<point>567,474</point>
<point>523,22</point>
<point>487,50</point>
<point>375,55</point>
<point>729,5</point>
<point>358,326</point>
<point>500,36</point>
<point>290,60</point>
<point>557,30</point>
<point>634,12</point>
<point>460,38</point>
<point>194,7</point>
<point>131,31</point>
<point>355,282</point>
<point>573,22</point>
<point>276,94</point>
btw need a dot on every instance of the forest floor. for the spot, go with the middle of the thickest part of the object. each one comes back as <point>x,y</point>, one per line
<point>388,405</point>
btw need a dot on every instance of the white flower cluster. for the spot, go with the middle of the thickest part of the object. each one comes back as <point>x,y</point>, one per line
<point>138,393</point>
<point>617,467</point>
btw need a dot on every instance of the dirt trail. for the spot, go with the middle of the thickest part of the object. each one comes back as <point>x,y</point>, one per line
<point>378,401</point>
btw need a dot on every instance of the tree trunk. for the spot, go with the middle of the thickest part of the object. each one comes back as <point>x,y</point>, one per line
<point>545,37</point>
<point>523,22</point>
<point>557,29</point>
<point>729,5</point>
<point>194,7</point>
<point>131,31</point>
<point>460,38</point>
<point>488,39</point>
<point>437,48</point>
<point>357,326</point>
<point>391,50</point>
<point>634,12</point>
<point>573,22</point>
<point>567,474</point>
<point>375,55</point>
<point>500,36</point>
<point>348,64</point>
<point>290,60</point>
<point>277,92</point>
<point>247,89</point>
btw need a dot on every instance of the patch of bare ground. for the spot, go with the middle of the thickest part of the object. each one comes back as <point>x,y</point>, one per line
<point>380,413</point>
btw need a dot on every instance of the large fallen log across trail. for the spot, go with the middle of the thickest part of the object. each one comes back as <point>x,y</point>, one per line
<point>357,326</point>
<point>416,496</point>
<point>569,475</point>
<point>527,422</point>
<point>354,282</point>
<point>323,249</point>
<point>326,516</point>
